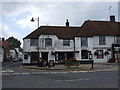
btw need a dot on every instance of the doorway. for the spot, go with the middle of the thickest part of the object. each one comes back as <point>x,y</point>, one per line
<point>44,55</point>
<point>84,54</point>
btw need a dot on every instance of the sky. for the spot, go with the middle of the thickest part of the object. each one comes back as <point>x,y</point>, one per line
<point>15,16</point>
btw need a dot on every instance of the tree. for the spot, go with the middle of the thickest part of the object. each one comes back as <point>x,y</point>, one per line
<point>13,42</point>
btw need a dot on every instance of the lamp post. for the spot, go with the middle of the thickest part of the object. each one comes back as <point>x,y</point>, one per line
<point>39,54</point>
<point>33,19</point>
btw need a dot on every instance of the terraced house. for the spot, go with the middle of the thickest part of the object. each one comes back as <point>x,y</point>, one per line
<point>97,38</point>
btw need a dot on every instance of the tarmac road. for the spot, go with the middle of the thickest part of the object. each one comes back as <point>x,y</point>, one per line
<point>14,76</point>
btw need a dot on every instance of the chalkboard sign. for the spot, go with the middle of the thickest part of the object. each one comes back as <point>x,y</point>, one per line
<point>51,63</point>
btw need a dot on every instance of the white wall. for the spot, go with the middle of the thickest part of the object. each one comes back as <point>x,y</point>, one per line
<point>12,53</point>
<point>57,45</point>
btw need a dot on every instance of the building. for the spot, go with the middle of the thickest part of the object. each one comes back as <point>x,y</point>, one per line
<point>99,38</point>
<point>5,50</point>
<point>1,52</point>
<point>16,53</point>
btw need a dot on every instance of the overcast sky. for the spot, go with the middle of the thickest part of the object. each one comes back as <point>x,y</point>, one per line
<point>16,16</point>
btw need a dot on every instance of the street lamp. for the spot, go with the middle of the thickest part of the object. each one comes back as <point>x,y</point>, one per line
<point>39,54</point>
<point>33,19</point>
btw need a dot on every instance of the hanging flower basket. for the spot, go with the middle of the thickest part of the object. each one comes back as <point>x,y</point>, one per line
<point>53,53</point>
<point>106,53</point>
<point>96,53</point>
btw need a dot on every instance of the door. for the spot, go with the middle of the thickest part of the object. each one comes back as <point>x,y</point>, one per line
<point>84,54</point>
<point>34,57</point>
<point>44,55</point>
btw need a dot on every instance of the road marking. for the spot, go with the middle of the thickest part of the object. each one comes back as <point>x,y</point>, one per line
<point>63,72</point>
<point>25,73</point>
<point>15,73</point>
<point>8,70</point>
<point>5,73</point>
<point>53,72</point>
<point>36,73</point>
<point>72,80</point>
<point>45,72</point>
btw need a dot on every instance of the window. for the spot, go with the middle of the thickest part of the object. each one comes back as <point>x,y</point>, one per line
<point>25,56</point>
<point>66,42</point>
<point>33,42</point>
<point>84,41</point>
<point>117,40</point>
<point>100,54</point>
<point>102,40</point>
<point>48,42</point>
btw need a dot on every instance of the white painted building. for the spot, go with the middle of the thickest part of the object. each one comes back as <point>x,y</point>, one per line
<point>1,53</point>
<point>16,53</point>
<point>63,43</point>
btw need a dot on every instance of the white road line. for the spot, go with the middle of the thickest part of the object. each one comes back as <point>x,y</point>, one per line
<point>15,73</point>
<point>5,74</point>
<point>45,72</point>
<point>53,72</point>
<point>25,73</point>
<point>36,73</point>
<point>8,70</point>
<point>63,72</point>
<point>72,80</point>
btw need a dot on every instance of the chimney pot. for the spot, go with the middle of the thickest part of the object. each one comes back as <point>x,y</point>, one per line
<point>67,23</point>
<point>3,39</point>
<point>112,18</point>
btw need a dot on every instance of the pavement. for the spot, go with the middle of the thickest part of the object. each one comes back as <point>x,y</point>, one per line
<point>80,68</point>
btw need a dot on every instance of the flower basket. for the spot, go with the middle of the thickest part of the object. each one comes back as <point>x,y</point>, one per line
<point>96,53</point>
<point>106,53</point>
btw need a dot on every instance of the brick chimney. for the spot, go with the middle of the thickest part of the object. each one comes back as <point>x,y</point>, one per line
<point>3,39</point>
<point>112,18</point>
<point>67,23</point>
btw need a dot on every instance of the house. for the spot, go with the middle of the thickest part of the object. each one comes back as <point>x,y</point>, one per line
<point>97,38</point>
<point>1,51</point>
<point>5,50</point>
<point>16,53</point>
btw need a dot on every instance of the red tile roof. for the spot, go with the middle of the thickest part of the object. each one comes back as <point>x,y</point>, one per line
<point>89,28</point>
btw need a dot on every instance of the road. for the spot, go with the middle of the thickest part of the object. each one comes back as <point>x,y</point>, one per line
<point>15,77</point>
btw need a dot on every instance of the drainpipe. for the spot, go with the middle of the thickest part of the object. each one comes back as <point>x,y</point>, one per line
<point>74,47</point>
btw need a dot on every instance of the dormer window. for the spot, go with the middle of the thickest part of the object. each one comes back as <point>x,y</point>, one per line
<point>66,42</point>
<point>48,42</point>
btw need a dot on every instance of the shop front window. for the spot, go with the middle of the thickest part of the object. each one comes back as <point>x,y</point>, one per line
<point>100,54</point>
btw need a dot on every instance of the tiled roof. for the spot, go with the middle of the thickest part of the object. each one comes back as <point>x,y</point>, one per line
<point>89,28</point>
<point>59,31</point>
